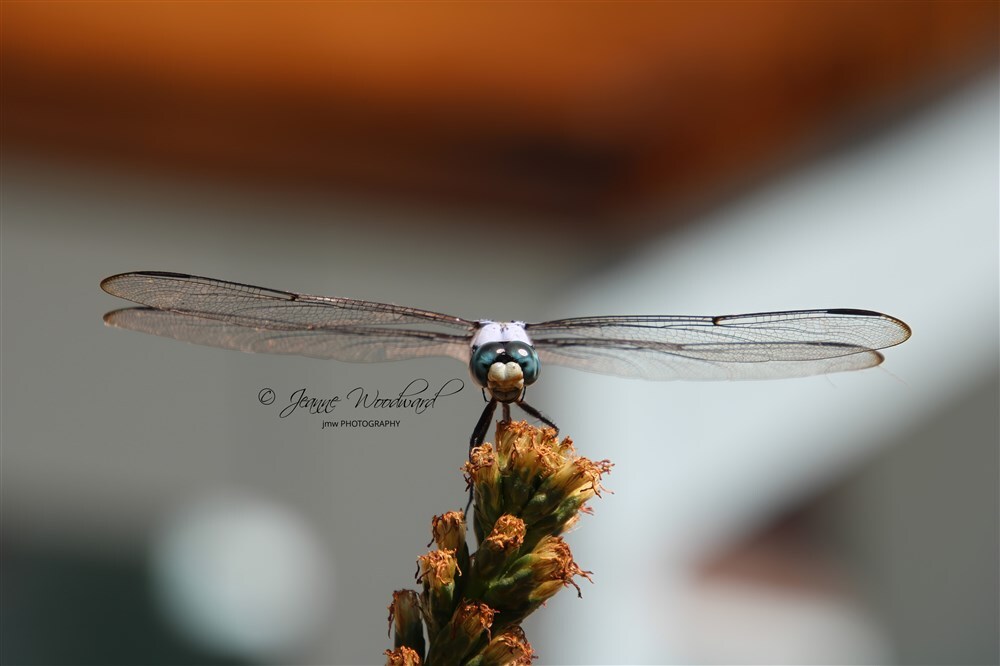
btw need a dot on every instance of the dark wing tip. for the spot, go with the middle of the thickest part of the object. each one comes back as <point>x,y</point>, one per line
<point>855,311</point>
<point>169,274</point>
<point>163,274</point>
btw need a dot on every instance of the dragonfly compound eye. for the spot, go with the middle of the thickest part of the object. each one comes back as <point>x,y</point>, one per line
<point>484,356</point>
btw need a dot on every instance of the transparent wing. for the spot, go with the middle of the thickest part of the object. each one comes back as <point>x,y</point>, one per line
<point>259,307</point>
<point>354,345</point>
<point>255,319</point>
<point>765,345</point>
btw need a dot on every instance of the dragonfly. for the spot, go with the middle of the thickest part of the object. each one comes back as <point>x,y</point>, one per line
<point>504,357</point>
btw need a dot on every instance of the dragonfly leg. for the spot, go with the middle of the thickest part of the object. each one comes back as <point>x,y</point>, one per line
<point>478,435</point>
<point>506,412</point>
<point>538,415</point>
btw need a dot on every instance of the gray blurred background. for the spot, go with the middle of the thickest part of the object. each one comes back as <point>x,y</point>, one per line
<point>508,163</point>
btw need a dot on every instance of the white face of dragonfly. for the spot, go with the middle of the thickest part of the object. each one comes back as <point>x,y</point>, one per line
<point>503,361</point>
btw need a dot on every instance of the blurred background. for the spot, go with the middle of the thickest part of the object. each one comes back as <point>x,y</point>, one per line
<point>505,161</point>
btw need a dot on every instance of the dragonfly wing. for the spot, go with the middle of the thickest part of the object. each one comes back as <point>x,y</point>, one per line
<point>752,346</point>
<point>259,307</point>
<point>665,365</point>
<point>355,345</point>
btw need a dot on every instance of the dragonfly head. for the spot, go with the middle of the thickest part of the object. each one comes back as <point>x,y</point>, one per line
<point>504,368</point>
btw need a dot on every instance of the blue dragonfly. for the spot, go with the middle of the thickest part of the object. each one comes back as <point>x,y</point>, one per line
<point>504,357</point>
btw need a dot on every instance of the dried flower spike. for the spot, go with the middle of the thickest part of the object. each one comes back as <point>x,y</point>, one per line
<point>529,489</point>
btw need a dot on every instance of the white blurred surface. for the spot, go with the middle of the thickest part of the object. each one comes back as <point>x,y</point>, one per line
<point>243,577</point>
<point>744,623</point>
<point>906,225</point>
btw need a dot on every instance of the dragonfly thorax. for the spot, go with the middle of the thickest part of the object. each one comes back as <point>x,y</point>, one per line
<point>503,360</point>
